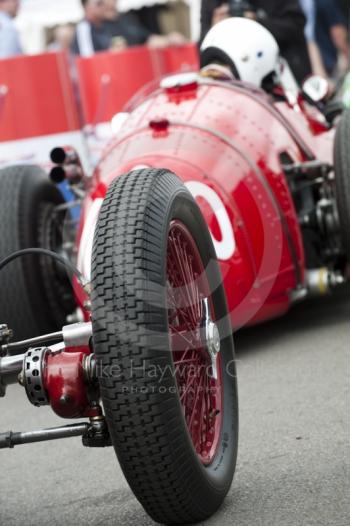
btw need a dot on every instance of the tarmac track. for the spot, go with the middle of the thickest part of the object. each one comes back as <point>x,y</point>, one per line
<point>294,457</point>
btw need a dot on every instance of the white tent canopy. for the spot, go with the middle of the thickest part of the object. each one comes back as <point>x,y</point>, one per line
<point>35,15</point>
<point>50,12</point>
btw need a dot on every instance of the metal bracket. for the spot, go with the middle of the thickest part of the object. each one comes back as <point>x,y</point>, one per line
<point>312,169</point>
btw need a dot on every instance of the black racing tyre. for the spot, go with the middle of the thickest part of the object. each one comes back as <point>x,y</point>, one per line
<point>35,295</point>
<point>158,305</point>
<point>342,177</point>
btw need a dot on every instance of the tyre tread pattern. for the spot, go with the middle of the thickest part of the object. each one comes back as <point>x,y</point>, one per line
<point>147,429</point>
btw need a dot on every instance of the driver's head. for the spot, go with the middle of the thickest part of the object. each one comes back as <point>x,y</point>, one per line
<point>111,11</point>
<point>245,46</point>
<point>10,7</point>
<point>94,10</point>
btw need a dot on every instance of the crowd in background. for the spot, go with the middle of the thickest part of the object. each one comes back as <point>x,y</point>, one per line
<point>103,28</point>
<point>313,35</point>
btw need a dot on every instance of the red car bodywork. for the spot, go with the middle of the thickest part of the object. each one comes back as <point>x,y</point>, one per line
<point>226,142</point>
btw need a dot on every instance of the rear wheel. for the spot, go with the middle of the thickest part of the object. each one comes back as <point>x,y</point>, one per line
<point>163,338</point>
<point>35,292</point>
<point>342,177</point>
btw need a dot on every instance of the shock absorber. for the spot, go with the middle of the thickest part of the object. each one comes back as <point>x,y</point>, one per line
<point>65,378</point>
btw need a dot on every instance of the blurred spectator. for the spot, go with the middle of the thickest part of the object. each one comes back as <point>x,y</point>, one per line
<point>331,34</point>
<point>127,30</point>
<point>90,34</point>
<point>103,28</point>
<point>317,65</point>
<point>124,29</point>
<point>62,38</point>
<point>345,7</point>
<point>9,42</point>
<point>284,19</point>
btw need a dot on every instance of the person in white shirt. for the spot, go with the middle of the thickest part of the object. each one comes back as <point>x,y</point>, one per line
<point>9,42</point>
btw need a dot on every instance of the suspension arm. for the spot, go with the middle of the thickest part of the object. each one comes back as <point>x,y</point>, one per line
<point>12,348</point>
<point>10,367</point>
<point>94,434</point>
<point>10,439</point>
<point>74,335</point>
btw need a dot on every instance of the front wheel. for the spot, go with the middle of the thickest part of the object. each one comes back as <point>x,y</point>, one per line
<point>163,338</point>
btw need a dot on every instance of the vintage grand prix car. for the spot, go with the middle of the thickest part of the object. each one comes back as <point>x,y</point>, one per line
<point>145,353</point>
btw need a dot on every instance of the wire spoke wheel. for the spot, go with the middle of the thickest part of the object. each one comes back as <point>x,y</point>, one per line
<point>163,339</point>
<point>200,393</point>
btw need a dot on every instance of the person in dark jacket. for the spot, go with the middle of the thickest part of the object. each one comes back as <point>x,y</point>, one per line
<point>345,7</point>
<point>332,34</point>
<point>284,19</point>
<point>90,34</point>
<point>128,28</point>
<point>125,26</point>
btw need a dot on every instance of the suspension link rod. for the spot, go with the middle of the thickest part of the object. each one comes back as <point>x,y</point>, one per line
<point>74,335</point>
<point>13,348</point>
<point>10,367</point>
<point>11,439</point>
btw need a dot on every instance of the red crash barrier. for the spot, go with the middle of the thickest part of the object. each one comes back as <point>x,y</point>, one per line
<point>108,80</point>
<point>3,93</point>
<point>175,59</point>
<point>39,97</point>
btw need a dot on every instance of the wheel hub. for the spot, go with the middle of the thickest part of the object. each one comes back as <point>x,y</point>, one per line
<point>211,339</point>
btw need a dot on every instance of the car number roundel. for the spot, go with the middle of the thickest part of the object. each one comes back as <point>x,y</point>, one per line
<point>225,248</point>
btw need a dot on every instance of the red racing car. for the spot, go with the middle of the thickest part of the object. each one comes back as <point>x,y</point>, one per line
<point>141,345</point>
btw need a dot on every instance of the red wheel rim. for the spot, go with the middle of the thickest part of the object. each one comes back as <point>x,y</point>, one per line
<point>188,294</point>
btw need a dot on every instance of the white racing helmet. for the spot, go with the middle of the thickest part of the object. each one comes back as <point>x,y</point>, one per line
<point>244,45</point>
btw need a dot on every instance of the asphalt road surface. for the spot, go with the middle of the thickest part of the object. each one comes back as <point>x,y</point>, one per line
<point>294,458</point>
